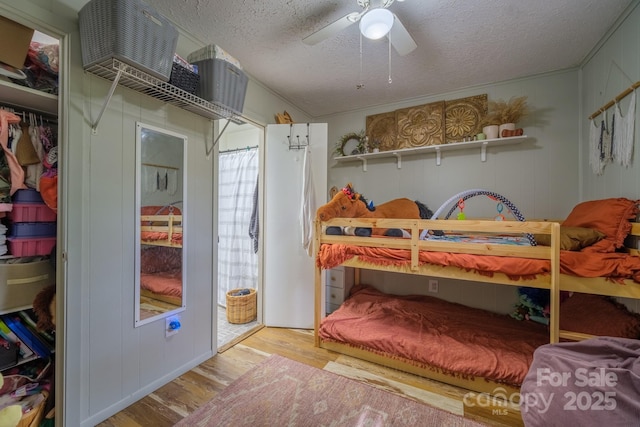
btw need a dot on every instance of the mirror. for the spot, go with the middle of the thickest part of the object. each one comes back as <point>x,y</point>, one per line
<point>160,230</point>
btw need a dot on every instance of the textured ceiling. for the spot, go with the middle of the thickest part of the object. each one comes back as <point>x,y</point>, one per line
<point>461,43</point>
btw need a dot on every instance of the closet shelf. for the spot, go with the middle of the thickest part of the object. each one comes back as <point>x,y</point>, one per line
<point>438,149</point>
<point>25,97</point>
<point>126,75</point>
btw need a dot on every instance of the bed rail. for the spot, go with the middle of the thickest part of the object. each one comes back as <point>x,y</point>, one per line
<point>167,226</point>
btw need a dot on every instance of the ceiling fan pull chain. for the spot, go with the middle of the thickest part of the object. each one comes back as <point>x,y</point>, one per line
<point>389,38</point>
<point>361,84</point>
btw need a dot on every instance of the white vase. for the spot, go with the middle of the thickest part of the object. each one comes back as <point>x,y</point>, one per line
<point>491,131</point>
<point>376,150</point>
<point>508,126</point>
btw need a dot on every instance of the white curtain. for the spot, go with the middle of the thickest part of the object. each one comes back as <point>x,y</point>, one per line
<point>237,261</point>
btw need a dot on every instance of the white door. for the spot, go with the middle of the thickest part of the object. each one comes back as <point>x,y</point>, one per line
<point>288,286</point>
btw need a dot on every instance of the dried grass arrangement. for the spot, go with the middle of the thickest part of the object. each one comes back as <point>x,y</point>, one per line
<point>500,112</point>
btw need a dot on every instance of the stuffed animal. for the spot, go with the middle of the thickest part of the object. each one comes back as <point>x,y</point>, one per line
<point>44,306</point>
<point>349,204</point>
<point>10,415</point>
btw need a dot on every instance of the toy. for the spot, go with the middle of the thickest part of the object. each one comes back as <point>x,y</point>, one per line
<point>461,215</point>
<point>533,304</point>
<point>10,415</point>
<point>527,309</point>
<point>347,203</point>
<point>44,306</point>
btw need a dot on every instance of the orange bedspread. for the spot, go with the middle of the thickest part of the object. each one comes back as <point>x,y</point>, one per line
<point>583,264</point>
<point>165,283</point>
<point>429,332</point>
<point>155,236</point>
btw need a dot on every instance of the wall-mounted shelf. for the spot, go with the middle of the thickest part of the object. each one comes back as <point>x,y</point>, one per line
<point>438,149</point>
<point>25,97</point>
<point>126,75</point>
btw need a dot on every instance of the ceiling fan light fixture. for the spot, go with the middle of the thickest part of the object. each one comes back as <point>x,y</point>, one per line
<point>376,23</point>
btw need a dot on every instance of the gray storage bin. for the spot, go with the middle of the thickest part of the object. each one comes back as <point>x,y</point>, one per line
<point>222,83</point>
<point>128,30</point>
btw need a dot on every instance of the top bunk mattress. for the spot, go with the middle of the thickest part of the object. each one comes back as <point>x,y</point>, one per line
<point>614,265</point>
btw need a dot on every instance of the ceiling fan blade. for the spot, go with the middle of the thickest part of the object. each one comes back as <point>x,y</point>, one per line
<point>331,29</point>
<point>400,38</point>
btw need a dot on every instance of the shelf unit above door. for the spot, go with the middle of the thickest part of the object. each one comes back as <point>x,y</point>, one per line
<point>438,149</point>
<point>126,75</point>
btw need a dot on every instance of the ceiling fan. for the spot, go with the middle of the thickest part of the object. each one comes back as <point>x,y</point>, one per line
<point>376,21</point>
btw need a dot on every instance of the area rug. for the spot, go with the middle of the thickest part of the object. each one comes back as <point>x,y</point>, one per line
<point>282,392</point>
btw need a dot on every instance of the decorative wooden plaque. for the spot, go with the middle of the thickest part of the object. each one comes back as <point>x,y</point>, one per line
<point>462,117</point>
<point>382,127</point>
<point>421,125</point>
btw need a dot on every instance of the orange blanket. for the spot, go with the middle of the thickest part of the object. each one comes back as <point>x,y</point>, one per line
<point>583,264</point>
<point>429,332</point>
<point>164,283</point>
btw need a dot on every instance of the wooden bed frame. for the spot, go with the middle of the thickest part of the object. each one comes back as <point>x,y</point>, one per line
<point>555,281</point>
<point>169,224</point>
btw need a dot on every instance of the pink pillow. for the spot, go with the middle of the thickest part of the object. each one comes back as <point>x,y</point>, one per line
<point>609,216</point>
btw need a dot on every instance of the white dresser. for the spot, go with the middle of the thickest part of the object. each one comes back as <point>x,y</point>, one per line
<point>339,282</point>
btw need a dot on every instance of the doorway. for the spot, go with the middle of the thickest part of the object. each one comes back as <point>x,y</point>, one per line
<point>238,233</point>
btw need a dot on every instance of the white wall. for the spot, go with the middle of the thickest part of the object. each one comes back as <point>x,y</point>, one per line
<point>611,69</point>
<point>540,176</point>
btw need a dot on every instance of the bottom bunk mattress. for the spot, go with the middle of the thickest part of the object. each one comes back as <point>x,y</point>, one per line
<point>432,333</point>
<point>466,342</point>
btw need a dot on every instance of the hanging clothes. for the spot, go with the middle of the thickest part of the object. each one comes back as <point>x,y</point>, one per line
<point>49,178</point>
<point>34,171</point>
<point>16,171</point>
<point>308,209</point>
<point>254,222</point>
<point>624,136</point>
<point>172,182</point>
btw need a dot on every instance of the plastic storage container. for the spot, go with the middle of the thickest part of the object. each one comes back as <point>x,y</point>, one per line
<point>212,51</point>
<point>31,212</point>
<point>31,246</point>
<point>222,83</point>
<point>20,282</point>
<point>128,30</point>
<point>32,229</point>
<point>28,195</point>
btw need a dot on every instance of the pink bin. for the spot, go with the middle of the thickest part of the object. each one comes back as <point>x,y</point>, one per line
<point>31,247</point>
<point>31,212</point>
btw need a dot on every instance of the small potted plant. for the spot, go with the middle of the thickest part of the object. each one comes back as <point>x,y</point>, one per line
<point>374,144</point>
<point>504,115</point>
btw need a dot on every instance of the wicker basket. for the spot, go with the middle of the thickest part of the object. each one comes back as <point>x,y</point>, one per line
<point>241,308</point>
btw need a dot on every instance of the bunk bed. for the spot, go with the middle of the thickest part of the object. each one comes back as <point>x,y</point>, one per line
<point>161,226</point>
<point>161,253</point>
<point>609,272</point>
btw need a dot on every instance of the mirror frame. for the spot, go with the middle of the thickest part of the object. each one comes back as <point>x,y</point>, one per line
<point>140,128</point>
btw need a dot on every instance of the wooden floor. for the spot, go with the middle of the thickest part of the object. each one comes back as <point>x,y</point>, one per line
<point>174,401</point>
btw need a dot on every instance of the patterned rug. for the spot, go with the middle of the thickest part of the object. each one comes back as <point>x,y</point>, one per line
<point>282,392</point>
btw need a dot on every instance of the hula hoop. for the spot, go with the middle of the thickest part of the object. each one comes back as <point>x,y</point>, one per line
<point>467,194</point>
